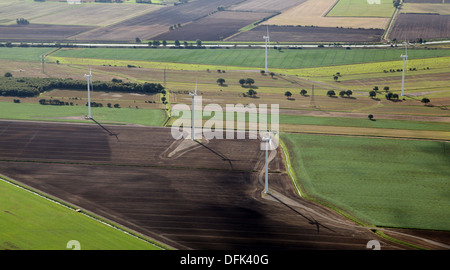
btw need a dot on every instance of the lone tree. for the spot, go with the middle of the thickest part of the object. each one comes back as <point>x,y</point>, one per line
<point>8,74</point>
<point>303,92</point>
<point>425,100</point>
<point>349,93</point>
<point>370,117</point>
<point>342,93</point>
<point>375,88</point>
<point>221,81</point>
<point>252,93</point>
<point>22,21</point>
<point>386,88</point>
<point>249,81</point>
<point>288,94</point>
<point>331,93</point>
<point>242,82</point>
<point>389,96</point>
<point>272,74</point>
<point>372,94</point>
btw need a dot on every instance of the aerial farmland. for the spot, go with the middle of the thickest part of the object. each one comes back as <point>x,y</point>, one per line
<point>358,107</point>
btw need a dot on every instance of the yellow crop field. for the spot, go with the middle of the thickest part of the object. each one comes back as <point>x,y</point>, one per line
<point>441,9</point>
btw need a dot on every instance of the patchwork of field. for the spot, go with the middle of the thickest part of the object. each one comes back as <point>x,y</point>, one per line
<point>314,12</point>
<point>155,23</point>
<point>422,20</point>
<point>265,5</point>
<point>215,27</point>
<point>200,19</point>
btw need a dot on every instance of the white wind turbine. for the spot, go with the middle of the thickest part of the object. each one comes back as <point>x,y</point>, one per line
<point>193,95</point>
<point>268,142</point>
<point>89,81</point>
<point>267,39</point>
<point>405,63</point>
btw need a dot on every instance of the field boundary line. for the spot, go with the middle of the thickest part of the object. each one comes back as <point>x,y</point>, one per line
<point>289,167</point>
<point>330,9</point>
<point>70,206</point>
<point>391,23</point>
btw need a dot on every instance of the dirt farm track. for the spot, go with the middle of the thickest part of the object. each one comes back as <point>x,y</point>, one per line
<point>187,195</point>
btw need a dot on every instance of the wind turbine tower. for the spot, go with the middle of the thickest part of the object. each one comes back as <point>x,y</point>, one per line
<point>405,59</point>
<point>89,79</point>
<point>193,95</point>
<point>268,141</point>
<point>267,39</point>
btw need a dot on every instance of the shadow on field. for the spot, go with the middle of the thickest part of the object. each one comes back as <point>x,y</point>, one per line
<point>311,221</point>
<point>224,158</point>
<point>107,130</point>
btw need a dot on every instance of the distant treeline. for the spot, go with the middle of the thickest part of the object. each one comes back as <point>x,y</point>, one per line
<point>31,87</point>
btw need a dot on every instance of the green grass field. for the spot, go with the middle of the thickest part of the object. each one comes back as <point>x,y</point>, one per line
<point>383,182</point>
<point>362,8</point>
<point>365,123</point>
<point>30,222</point>
<point>30,111</point>
<point>333,121</point>
<point>288,59</point>
<point>32,54</point>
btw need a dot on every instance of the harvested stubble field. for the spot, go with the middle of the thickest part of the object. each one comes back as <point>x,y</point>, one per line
<point>441,9</point>
<point>40,32</point>
<point>265,5</point>
<point>206,197</point>
<point>310,34</point>
<point>418,25</point>
<point>11,10</point>
<point>98,14</point>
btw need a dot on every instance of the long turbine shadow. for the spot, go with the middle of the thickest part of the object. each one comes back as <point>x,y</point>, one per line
<point>107,130</point>
<point>224,158</point>
<point>311,221</point>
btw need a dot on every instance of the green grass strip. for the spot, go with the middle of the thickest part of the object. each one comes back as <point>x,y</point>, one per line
<point>42,222</point>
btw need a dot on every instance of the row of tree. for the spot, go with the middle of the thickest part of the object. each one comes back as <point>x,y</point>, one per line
<point>22,21</point>
<point>57,102</point>
<point>30,87</point>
